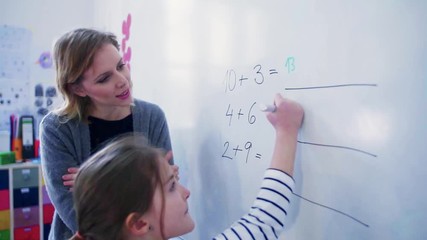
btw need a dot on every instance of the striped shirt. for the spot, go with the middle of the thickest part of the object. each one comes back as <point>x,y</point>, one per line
<point>265,219</point>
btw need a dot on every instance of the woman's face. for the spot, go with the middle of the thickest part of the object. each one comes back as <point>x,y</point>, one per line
<point>107,81</point>
<point>177,219</point>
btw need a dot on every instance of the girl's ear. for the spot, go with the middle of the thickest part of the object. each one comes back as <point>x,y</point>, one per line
<point>135,224</point>
<point>77,89</point>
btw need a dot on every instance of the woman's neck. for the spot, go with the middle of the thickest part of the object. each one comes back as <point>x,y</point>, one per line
<point>110,113</point>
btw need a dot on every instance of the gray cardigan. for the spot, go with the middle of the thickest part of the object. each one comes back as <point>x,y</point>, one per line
<point>65,145</point>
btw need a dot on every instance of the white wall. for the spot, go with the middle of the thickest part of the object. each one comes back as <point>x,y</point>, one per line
<point>45,21</point>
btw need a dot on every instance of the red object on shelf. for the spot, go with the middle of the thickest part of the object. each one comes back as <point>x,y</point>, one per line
<point>48,211</point>
<point>27,233</point>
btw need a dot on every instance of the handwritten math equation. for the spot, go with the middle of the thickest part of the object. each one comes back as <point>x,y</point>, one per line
<point>241,114</point>
<point>246,114</point>
<point>231,152</point>
<point>258,75</point>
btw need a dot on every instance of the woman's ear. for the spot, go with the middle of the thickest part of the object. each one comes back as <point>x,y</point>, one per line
<point>77,89</point>
<point>135,224</point>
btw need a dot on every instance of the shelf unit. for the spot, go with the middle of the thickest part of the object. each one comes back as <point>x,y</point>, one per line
<point>25,209</point>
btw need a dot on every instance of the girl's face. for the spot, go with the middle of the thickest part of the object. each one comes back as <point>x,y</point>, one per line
<point>107,81</point>
<point>177,220</point>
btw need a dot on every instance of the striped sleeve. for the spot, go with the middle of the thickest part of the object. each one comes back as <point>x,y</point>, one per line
<point>266,217</point>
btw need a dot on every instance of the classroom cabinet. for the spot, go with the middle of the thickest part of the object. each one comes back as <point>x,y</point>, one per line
<point>25,209</point>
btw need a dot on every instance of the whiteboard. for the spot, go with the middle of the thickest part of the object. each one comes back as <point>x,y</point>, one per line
<point>357,67</point>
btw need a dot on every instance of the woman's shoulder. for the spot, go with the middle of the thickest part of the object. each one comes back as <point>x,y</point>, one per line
<point>50,119</point>
<point>141,105</point>
<point>144,112</point>
<point>53,119</point>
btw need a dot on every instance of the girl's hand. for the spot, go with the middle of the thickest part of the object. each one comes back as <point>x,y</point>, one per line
<point>288,115</point>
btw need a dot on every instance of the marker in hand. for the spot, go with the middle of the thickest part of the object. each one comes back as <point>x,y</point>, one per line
<point>267,108</point>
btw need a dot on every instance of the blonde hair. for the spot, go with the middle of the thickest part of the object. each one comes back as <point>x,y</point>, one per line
<point>73,55</point>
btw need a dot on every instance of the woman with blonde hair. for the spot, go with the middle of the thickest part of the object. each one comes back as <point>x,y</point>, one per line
<point>98,105</point>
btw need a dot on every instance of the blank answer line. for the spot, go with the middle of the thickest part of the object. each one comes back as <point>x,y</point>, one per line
<point>336,146</point>
<point>335,210</point>
<point>334,86</point>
